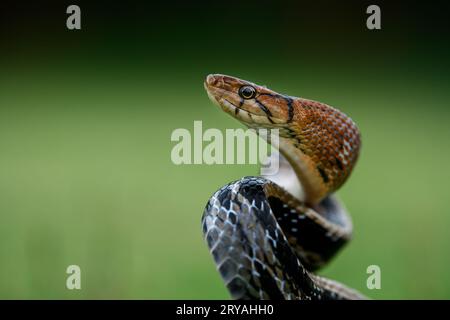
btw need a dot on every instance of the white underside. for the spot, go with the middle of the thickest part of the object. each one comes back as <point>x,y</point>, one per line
<point>286,177</point>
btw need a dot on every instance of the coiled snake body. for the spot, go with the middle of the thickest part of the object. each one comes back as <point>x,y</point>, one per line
<point>267,234</point>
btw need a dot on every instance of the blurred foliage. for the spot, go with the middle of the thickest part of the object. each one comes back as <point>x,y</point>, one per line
<point>86,178</point>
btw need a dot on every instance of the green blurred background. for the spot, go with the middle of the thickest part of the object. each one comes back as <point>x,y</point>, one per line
<point>86,118</point>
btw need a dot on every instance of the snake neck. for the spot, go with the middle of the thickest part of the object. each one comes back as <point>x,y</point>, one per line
<point>294,173</point>
<point>321,145</point>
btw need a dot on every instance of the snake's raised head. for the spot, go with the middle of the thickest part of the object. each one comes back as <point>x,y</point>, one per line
<point>254,105</point>
<point>320,142</point>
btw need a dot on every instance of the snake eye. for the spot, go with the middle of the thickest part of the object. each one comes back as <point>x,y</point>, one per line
<point>247,92</point>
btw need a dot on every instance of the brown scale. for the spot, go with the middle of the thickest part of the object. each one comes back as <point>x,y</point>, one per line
<point>327,136</point>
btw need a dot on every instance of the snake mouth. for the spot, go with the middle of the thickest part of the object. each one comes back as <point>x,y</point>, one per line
<point>247,117</point>
<point>223,98</point>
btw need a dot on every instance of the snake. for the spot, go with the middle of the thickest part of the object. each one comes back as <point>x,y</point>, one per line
<point>269,234</point>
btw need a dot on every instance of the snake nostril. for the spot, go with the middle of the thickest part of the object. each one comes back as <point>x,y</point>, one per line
<point>211,80</point>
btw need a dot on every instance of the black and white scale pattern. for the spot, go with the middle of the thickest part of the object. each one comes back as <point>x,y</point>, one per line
<point>265,242</point>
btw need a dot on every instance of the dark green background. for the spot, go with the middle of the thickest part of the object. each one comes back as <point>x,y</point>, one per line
<point>86,118</point>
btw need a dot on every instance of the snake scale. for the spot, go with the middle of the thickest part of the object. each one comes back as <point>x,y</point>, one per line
<point>268,234</point>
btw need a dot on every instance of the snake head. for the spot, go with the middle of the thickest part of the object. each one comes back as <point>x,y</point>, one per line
<point>320,142</point>
<point>250,103</point>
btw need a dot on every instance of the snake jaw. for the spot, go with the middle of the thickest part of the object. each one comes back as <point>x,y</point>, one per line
<point>250,119</point>
<point>211,96</point>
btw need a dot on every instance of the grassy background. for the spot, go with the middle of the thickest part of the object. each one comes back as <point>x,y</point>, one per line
<point>85,170</point>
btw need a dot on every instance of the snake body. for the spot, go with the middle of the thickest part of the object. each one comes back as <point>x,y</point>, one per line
<point>267,234</point>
